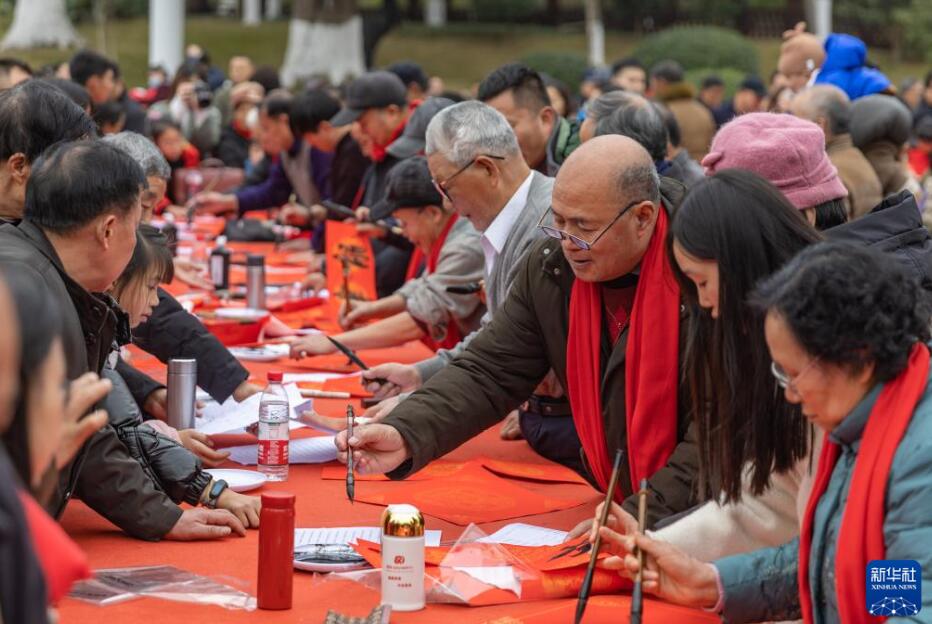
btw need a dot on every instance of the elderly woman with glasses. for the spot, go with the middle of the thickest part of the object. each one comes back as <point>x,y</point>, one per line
<point>847,329</point>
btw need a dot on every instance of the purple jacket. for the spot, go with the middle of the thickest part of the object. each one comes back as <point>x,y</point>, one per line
<point>276,189</point>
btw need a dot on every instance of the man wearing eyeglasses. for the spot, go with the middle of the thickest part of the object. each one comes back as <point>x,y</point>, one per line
<point>478,168</point>
<point>596,301</point>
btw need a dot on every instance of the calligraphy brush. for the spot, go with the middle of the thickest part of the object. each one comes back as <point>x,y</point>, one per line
<point>353,357</point>
<point>637,605</point>
<point>594,554</point>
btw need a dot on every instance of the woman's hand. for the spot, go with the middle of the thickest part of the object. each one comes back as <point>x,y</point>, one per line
<point>361,311</point>
<point>245,508</point>
<point>201,445</point>
<point>313,344</point>
<point>668,572</point>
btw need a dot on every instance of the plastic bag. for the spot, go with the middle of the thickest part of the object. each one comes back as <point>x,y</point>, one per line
<point>114,585</point>
<point>472,567</point>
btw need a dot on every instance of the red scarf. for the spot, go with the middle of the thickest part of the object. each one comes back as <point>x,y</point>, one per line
<point>242,129</point>
<point>378,153</point>
<point>190,156</point>
<point>651,366</point>
<point>62,561</point>
<point>860,539</point>
<point>453,336</point>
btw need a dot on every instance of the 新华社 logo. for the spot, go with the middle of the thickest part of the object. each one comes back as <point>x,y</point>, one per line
<point>894,587</point>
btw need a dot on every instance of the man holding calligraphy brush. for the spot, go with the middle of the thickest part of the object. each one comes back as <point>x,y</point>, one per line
<point>595,301</point>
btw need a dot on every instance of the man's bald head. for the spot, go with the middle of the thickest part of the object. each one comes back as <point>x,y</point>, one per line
<point>826,105</point>
<point>600,180</point>
<point>613,166</point>
<point>9,356</point>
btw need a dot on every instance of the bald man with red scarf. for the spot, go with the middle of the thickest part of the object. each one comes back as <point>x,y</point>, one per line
<point>596,301</point>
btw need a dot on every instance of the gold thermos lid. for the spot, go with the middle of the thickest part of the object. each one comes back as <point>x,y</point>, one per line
<point>402,521</point>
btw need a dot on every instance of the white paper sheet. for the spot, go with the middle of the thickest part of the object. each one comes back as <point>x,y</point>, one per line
<point>311,377</point>
<point>502,577</point>
<point>264,353</point>
<point>304,451</point>
<point>520,534</point>
<point>349,535</point>
<point>232,416</point>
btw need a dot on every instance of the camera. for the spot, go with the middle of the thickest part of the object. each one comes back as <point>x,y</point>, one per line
<point>203,94</point>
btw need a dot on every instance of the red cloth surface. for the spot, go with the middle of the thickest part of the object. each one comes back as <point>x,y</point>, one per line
<point>321,503</point>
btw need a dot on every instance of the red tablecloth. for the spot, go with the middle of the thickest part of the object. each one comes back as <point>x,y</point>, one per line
<point>323,503</point>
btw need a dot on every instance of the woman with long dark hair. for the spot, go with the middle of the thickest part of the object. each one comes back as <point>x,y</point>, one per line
<point>733,230</point>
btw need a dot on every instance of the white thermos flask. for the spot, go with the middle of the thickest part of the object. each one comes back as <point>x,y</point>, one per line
<point>403,558</point>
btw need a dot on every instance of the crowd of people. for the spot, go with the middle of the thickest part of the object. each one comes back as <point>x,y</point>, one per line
<point>733,292</point>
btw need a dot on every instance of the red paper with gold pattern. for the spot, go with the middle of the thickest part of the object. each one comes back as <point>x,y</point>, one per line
<point>345,244</point>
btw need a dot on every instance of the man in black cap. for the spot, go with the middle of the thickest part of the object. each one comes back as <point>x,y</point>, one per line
<point>377,107</point>
<point>448,254</point>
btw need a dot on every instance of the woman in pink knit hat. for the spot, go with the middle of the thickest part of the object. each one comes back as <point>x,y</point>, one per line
<point>788,152</point>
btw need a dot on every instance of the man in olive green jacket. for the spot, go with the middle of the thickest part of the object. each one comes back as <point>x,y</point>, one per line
<point>528,335</point>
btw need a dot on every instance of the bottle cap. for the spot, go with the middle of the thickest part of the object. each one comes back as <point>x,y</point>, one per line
<point>221,241</point>
<point>255,260</point>
<point>275,376</point>
<point>277,500</point>
<point>402,521</point>
<point>179,366</point>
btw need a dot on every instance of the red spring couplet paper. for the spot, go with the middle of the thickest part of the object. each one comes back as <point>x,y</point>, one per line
<point>435,470</point>
<point>561,580</point>
<point>346,248</point>
<point>472,496</point>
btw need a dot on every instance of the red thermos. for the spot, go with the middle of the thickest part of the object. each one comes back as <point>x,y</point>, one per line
<point>276,550</point>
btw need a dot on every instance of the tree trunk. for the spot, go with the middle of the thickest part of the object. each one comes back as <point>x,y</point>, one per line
<point>40,24</point>
<point>252,12</point>
<point>166,34</point>
<point>324,42</point>
<point>553,11</point>
<point>436,14</point>
<point>273,9</point>
<point>595,33</point>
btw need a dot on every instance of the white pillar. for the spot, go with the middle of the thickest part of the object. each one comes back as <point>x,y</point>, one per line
<point>273,9</point>
<point>252,12</point>
<point>823,18</point>
<point>166,34</point>
<point>435,15</point>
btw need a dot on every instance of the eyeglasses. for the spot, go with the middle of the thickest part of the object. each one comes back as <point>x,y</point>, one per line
<point>784,380</point>
<point>561,235</point>
<point>443,186</point>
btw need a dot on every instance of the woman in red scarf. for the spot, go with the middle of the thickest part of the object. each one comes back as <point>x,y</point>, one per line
<point>448,254</point>
<point>847,330</point>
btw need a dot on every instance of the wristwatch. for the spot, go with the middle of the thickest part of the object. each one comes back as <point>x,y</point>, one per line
<point>216,489</point>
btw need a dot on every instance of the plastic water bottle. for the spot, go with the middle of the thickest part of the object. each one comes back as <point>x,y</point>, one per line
<point>273,430</point>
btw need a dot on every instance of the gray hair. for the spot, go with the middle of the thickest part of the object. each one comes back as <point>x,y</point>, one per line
<point>639,182</point>
<point>832,103</point>
<point>465,130</point>
<point>638,120</point>
<point>608,103</point>
<point>143,151</point>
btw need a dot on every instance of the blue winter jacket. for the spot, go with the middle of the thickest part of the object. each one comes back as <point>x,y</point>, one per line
<point>844,67</point>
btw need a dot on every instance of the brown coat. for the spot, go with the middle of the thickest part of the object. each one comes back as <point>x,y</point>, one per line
<point>856,173</point>
<point>697,126</point>
<point>884,158</point>
<point>510,356</point>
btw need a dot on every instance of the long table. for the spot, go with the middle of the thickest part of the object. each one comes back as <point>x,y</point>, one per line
<point>322,503</point>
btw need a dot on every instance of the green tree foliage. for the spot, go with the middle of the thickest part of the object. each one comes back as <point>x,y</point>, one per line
<point>565,67</point>
<point>696,47</point>
<point>916,22</point>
